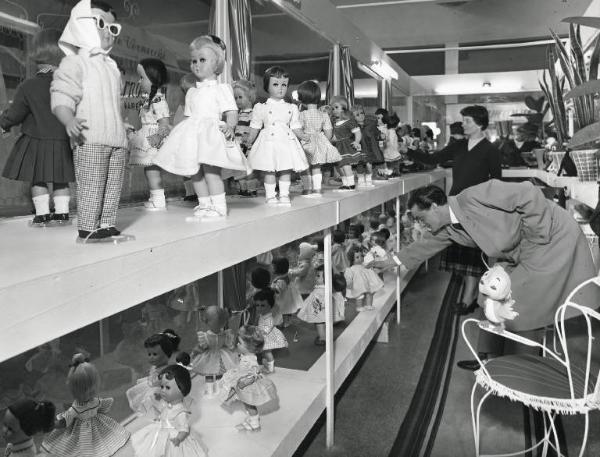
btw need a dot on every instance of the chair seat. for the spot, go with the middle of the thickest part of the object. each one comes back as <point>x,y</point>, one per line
<point>538,382</point>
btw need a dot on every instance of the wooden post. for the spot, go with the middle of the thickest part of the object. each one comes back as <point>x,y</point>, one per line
<point>220,292</point>
<point>329,347</point>
<point>398,276</point>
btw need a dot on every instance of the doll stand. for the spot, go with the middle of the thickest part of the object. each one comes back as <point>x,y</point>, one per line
<point>211,389</point>
<point>117,239</point>
<point>60,223</point>
<point>40,225</point>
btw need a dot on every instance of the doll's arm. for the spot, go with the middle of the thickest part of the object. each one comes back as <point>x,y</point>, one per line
<point>300,271</point>
<point>105,405</point>
<point>66,417</point>
<point>230,339</point>
<point>267,324</point>
<point>182,426</point>
<point>252,136</point>
<point>66,92</point>
<point>348,277</point>
<point>16,112</point>
<point>231,118</point>
<point>357,138</point>
<point>301,135</point>
<point>163,131</point>
<point>328,134</point>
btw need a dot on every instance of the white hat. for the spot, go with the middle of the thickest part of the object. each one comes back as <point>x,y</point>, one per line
<point>80,32</point>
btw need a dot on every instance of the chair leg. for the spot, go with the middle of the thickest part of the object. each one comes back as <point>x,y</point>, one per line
<point>585,434</point>
<point>475,415</point>
<point>555,434</point>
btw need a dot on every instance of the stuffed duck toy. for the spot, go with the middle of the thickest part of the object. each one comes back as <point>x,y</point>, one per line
<point>497,304</point>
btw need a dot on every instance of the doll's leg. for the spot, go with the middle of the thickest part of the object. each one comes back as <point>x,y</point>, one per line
<point>190,193</point>
<point>270,184</point>
<point>360,303</point>
<point>41,202</point>
<point>369,174</point>
<point>284,187</point>
<point>157,199</point>
<point>320,340</point>
<point>306,179</point>
<point>268,361</point>
<point>361,179</point>
<point>347,176</point>
<point>369,301</point>
<point>114,183</point>
<point>252,422</point>
<point>61,197</point>
<point>252,183</point>
<point>317,179</point>
<point>216,190</point>
<point>91,172</point>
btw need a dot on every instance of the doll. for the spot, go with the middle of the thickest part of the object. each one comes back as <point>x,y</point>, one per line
<point>347,140</point>
<point>244,93</point>
<point>495,286</point>
<point>214,354</point>
<point>277,125</point>
<point>313,309</point>
<point>185,300</point>
<point>318,148</point>
<point>202,145</point>
<point>304,272</point>
<point>85,430</point>
<point>339,260</point>
<point>22,420</point>
<point>287,296</point>
<point>154,315</point>
<point>86,98</point>
<point>142,397</point>
<point>391,152</point>
<point>362,282</point>
<point>154,115</point>
<point>170,435</point>
<point>377,249</point>
<point>246,383</point>
<point>264,301</point>
<point>369,146</point>
<point>42,153</point>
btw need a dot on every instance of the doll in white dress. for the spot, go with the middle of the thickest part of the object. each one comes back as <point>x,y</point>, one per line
<point>246,383</point>
<point>170,435</point>
<point>287,297</point>
<point>264,301</point>
<point>22,420</point>
<point>202,145</point>
<point>362,282</point>
<point>277,150</point>
<point>85,430</point>
<point>154,116</point>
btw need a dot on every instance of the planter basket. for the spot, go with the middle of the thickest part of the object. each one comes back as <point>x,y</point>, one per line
<point>556,157</point>
<point>586,164</point>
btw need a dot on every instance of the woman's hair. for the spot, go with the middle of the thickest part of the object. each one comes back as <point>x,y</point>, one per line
<point>424,197</point>
<point>187,81</point>
<point>338,236</point>
<point>478,113</point>
<point>181,376</point>
<point>252,338</point>
<point>273,72</point>
<point>378,238</point>
<point>260,278</point>
<point>247,87</point>
<point>156,71</point>
<point>83,379</point>
<point>162,340</point>
<point>104,6</point>
<point>343,102</point>
<point>309,93</point>
<point>45,47</point>
<point>183,358</point>
<point>207,41</point>
<point>33,416</point>
<point>267,295</point>
<point>281,265</point>
<point>339,282</point>
<point>353,250</point>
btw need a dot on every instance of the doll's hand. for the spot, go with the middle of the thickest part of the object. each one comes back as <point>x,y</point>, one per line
<point>157,396</point>
<point>176,441</point>
<point>227,131</point>
<point>60,424</point>
<point>356,145</point>
<point>75,129</point>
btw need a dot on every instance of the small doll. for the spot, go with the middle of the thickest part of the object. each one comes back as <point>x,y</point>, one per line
<point>347,140</point>
<point>85,96</point>
<point>362,282</point>
<point>264,301</point>
<point>313,310</point>
<point>369,145</point>
<point>244,93</point>
<point>354,238</point>
<point>154,314</point>
<point>42,153</point>
<point>495,286</point>
<point>274,132</point>
<point>22,420</point>
<point>246,383</point>
<point>339,260</point>
<point>318,148</point>
<point>214,354</point>
<point>85,430</point>
<point>154,115</point>
<point>287,296</point>
<point>377,249</point>
<point>304,272</point>
<point>202,145</point>
<point>391,152</point>
<point>186,82</point>
<point>185,300</point>
<point>261,279</point>
<point>142,397</point>
<point>171,434</point>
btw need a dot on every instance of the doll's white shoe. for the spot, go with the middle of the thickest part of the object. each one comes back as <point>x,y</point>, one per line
<point>155,205</point>
<point>251,424</point>
<point>272,201</point>
<point>269,366</point>
<point>285,201</point>
<point>214,212</point>
<point>198,215</point>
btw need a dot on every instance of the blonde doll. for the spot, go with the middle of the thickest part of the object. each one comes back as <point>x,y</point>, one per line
<point>202,145</point>
<point>244,93</point>
<point>317,125</point>
<point>84,430</point>
<point>304,271</point>
<point>274,132</point>
<point>264,301</point>
<point>362,282</point>
<point>347,140</point>
<point>170,435</point>
<point>154,115</point>
<point>246,383</point>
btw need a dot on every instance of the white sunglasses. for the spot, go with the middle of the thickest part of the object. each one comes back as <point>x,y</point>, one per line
<point>113,28</point>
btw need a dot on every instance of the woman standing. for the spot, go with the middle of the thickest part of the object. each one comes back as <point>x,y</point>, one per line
<point>475,160</point>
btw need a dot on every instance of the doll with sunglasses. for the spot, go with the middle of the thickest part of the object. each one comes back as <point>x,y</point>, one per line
<point>171,435</point>
<point>22,420</point>
<point>85,96</point>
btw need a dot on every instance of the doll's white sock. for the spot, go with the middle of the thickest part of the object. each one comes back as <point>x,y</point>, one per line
<point>61,204</point>
<point>189,187</point>
<point>157,195</point>
<point>203,202</point>
<point>270,366</point>
<point>369,179</point>
<point>284,188</point>
<point>270,190</point>
<point>219,202</point>
<point>362,180</point>
<point>42,204</point>
<point>254,421</point>
<point>306,181</point>
<point>317,181</point>
<point>347,181</point>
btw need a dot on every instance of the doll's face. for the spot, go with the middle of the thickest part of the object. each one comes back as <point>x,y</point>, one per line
<point>337,109</point>
<point>359,116</point>
<point>278,87</point>
<point>107,39</point>
<point>203,63</point>
<point>262,307</point>
<point>156,356</point>
<point>358,258</point>
<point>390,222</point>
<point>241,99</point>
<point>379,119</point>
<point>169,391</point>
<point>495,283</point>
<point>144,81</point>
<point>241,347</point>
<point>11,429</point>
<point>320,277</point>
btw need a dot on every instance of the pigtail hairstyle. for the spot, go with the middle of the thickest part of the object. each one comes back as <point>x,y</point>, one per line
<point>252,338</point>
<point>83,379</point>
<point>181,376</point>
<point>156,71</point>
<point>33,416</point>
<point>183,359</point>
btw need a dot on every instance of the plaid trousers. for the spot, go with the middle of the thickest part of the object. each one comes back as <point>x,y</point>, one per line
<point>99,171</point>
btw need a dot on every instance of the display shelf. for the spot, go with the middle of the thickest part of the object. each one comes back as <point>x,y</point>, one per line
<point>50,286</point>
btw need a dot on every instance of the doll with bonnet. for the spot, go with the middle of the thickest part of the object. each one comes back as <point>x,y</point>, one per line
<point>85,429</point>
<point>22,420</point>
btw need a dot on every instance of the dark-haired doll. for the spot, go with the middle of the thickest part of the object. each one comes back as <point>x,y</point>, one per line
<point>362,282</point>
<point>287,296</point>
<point>22,420</point>
<point>264,301</point>
<point>171,435</point>
<point>154,116</point>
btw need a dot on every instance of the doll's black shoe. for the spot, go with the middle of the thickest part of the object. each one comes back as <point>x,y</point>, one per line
<point>190,198</point>
<point>112,231</point>
<point>94,235</point>
<point>319,342</point>
<point>41,219</point>
<point>472,365</point>
<point>60,217</point>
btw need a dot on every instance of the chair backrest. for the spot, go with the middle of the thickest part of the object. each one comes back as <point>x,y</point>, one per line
<point>567,311</point>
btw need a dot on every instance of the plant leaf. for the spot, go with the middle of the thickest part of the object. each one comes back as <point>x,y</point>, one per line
<point>587,88</point>
<point>595,59</point>
<point>587,21</point>
<point>588,134</point>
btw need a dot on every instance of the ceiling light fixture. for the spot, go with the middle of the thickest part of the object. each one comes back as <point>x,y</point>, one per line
<point>383,69</point>
<point>362,67</point>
